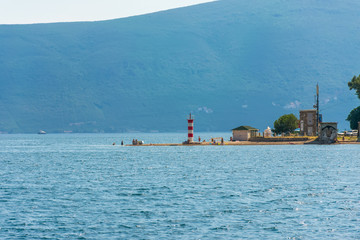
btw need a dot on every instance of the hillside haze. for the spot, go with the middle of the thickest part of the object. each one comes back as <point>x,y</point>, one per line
<point>230,63</point>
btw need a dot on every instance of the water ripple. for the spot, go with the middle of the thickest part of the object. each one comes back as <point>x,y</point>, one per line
<point>82,187</point>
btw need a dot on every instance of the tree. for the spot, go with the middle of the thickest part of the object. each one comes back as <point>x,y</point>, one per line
<point>355,84</point>
<point>354,115</point>
<point>286,124</point>
<point>354,118</point>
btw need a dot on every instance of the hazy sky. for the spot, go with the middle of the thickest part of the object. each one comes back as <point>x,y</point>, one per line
<point>41,11</point>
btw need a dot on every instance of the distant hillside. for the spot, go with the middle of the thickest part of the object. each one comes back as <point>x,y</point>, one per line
<point>230,63</point>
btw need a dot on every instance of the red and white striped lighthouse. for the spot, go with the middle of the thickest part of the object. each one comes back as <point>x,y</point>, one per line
<point>190,129</point>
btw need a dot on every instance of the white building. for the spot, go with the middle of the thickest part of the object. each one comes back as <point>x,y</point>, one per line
<point>268,132</point>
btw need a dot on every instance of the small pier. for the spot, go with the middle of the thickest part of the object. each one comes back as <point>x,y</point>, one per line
<point>241,143</point>
<point>271,141</point>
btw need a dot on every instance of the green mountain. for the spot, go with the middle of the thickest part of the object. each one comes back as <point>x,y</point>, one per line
<point>229,62</point>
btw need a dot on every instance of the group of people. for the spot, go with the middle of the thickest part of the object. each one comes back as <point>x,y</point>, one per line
<point>212,140</point>
<point>136,142</point>
<point>122,143</point>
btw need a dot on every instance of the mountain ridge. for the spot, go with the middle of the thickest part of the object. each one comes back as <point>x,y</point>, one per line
<point>228,62</point>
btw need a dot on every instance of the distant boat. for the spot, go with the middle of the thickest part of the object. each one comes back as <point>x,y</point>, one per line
<point>41,132</point>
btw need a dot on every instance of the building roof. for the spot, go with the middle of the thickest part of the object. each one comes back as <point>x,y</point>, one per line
<point>245,128</point>
<point>308,110</point>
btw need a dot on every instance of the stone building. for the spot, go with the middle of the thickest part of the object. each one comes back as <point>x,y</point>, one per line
<point>308,122</point>
<point>244,133</point>
<point>328,132</point>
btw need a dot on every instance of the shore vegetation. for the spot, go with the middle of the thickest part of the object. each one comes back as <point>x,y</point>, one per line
<point>354,115</point>
<point>286,124</point>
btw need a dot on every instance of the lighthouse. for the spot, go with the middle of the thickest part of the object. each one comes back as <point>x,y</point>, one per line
<point>190,129</point>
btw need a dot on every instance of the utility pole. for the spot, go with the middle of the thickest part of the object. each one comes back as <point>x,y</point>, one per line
<point>317,109</point>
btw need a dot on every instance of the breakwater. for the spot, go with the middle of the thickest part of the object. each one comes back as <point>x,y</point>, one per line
<point>279,139</point>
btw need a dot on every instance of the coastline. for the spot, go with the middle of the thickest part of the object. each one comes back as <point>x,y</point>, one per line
<point>244,143</point>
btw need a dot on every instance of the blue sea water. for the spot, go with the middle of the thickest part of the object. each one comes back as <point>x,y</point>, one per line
<point>80,186</point>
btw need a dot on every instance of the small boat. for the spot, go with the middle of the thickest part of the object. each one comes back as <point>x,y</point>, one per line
<point>41,132</point>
